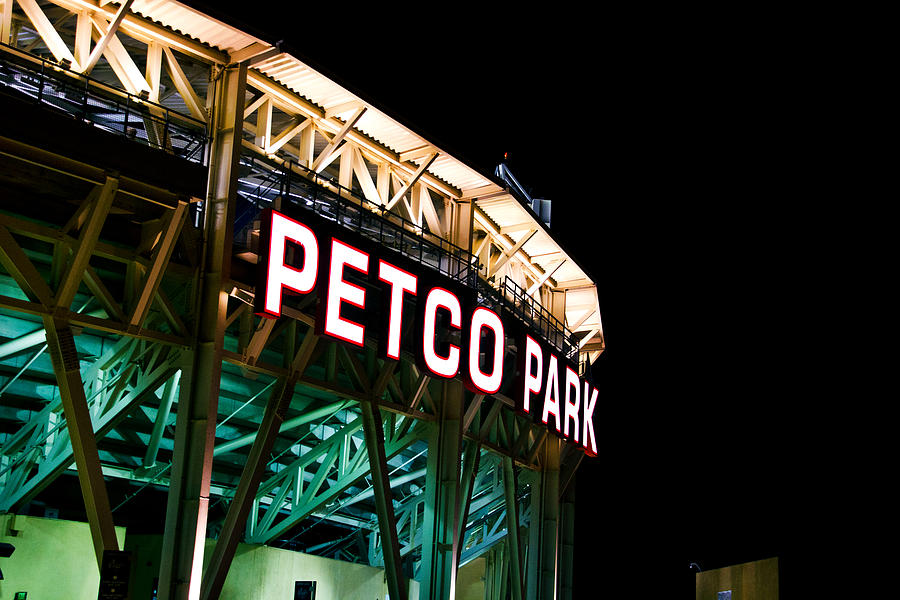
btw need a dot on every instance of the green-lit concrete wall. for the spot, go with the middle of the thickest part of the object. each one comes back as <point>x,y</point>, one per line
<point>53,559</point>
<point>749,581</point>
<point>470,581</point>
<point>265,573</point>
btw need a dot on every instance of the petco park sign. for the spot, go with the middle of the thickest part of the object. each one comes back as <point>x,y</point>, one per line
<point>366,289</point>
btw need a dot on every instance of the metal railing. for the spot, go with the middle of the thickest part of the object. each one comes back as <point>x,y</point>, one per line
<point>263,184</point>
<point>54,87</point>
<point>319,193</point>
<point>548,326</point>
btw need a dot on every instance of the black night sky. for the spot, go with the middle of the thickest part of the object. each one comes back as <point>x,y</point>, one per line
<point>666,143</point>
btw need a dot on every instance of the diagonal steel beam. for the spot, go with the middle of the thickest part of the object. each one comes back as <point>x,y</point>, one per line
<point>303,503</point>
<point>64,356</point>
<point>22,270</point>
<point>45,29</point>
<point>241,504</point>
<point>321,161</point>
<point>162,254</point>
<point>104,41</point>
<point>408,184</point>
<point>387,520</point>
<point>87,239</point>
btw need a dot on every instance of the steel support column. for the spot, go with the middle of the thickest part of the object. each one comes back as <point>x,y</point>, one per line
<point>441,529</point>
<point>496,569</point>
<point>549,523</point>
<point>64,356</point>
<point>567,542</point>
<point>466,487</point>
<point>512,529</point>
<point>533,565</point>
<point>185,530</point>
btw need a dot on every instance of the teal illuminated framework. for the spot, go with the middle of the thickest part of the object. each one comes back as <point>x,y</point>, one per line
<point>144,146</point>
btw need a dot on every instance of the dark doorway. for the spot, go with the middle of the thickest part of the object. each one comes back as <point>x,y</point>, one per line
<point>304,590</point>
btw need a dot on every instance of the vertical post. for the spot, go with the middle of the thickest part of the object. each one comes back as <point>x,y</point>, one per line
<point>441,529</point>
<point>461,223</point>
<point>185,530</point>
<point>5,20</point>
<point>549,519</point>
<point>64,356</point>
<point>567,542</point>
<point>533,567</point>
<point>558,305</point>
<point>512,528</point>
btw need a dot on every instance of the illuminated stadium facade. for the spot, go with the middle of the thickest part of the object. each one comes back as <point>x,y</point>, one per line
<point>232,288</point>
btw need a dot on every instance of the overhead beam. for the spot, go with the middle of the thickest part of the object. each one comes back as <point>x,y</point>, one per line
<point>581,321</point>
<point>308,416</point>
<point>146,31</point>
<point>342,108</point>
<point>420,152</point>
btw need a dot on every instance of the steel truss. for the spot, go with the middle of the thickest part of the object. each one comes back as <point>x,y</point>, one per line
<point>128,349</point>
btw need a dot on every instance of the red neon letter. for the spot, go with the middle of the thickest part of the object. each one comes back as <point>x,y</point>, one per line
<point>445,366</point>
<point>341,291</point>
<point>532,381</point>
<point>484,317</point>
<point>572,408</point>
<point>551,396</point>
<point>281,275</point>
<point>588,441</point>
<point>400,281</point>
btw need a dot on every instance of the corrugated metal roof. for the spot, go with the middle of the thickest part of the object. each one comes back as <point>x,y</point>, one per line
<point>192,23</point>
